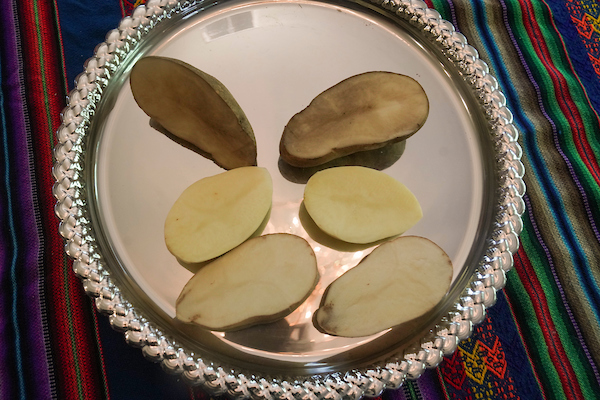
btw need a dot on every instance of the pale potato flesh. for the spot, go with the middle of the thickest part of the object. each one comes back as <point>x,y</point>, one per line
<point>360,205</point>
<point>261,281</point>
<point>399,281</point>
<point>364,112</point>
<point>195,108</point>
<point>217,213</point>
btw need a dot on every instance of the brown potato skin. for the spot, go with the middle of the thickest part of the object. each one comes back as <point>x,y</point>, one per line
<point>194,109</point>
<point>344,120</point>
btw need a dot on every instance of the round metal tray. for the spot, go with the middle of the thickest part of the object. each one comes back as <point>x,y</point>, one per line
<point>117,178</point>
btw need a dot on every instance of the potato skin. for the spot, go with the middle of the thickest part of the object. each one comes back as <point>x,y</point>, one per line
<point>195,108</point>
<point>363,112</point>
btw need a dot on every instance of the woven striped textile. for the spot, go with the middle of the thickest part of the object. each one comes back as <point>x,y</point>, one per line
<point>540,341</point>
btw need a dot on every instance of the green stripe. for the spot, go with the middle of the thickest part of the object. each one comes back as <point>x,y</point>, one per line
<point>99,348</point>
<point>573,206</point>
<point>560,58</point>
<point>534,337</point>
<point>570,205</point>
<point>443,8</point>
<point>546,369</point>
<point>565,329</point>
<point>66,269</point>
<point>61,52</point>
<point>43,75</point>
<point>73,342</point>
<point>411,390</point>
<point>443,383</point>
<point>542,75</point>
<point>547,282</point>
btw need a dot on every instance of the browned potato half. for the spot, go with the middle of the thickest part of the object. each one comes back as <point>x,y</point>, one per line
<point>261,281</point>
<point>360,205</point>
<point>217,213</point>
<point>195,108</point>
<point>363,112</point>
<point>399,281</point>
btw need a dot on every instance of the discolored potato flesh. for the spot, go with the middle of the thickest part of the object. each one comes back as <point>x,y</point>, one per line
<point>363,112</point>
<point>217,213</point>
<point>360,205</point>
<point>261,281</point>
<point>399,281</point>
<point>195,108</point>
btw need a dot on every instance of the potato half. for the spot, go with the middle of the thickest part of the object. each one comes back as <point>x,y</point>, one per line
<point>360,205</point>
<point>217,213</point>
<point>399,281</point>
<point>363,112</point>
<point>195,108</point>
<point>261,281</point>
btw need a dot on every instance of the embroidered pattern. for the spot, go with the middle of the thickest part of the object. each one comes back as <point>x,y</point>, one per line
<point>586,18</point>
<point>478,369</point>
<point>129,5</point>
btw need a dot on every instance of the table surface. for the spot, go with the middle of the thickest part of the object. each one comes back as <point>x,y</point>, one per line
<point>540,340</point>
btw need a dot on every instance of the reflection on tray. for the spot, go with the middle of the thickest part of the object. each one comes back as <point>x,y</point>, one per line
<point>228,25</point>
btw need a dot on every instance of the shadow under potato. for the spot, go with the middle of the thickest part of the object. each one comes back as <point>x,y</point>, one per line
<point>389,344</point>
<point>323,238</point>
<point>379,159</point>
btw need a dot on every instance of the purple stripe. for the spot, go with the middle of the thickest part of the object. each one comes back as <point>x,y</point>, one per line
<point>453,14</point>
<point>580,188</point>
<point>29,258</point>
<point>429,385</point>
<point>397,394</point>
<point>541,242</point>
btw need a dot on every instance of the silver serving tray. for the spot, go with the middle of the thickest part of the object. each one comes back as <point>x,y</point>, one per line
<point>116,178</point>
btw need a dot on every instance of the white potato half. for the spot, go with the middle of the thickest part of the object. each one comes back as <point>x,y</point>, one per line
<point>399,281</point>
<point>360,205</point>
<point>261,281</point>
<point>217,213</point>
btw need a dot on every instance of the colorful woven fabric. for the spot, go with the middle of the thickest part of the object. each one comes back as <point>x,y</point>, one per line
<point>540,341</point>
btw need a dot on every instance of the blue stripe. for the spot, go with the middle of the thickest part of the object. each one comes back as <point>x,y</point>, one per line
<point>13,262</point>
<point>550,191</point>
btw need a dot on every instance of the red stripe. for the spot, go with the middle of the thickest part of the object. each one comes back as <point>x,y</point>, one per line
<point>75,369</point>
<point>563,97</point>
<point>442,382</point>
<point>122,8</point>
<point>61,47</point>
<point>523,342</point>
<point>559,358</point>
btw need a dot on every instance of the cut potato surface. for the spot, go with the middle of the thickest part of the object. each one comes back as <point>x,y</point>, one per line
<point>399,281</point>
<point>363,112</point>
<point>217,213</point>
<point>360,205</point>
<point>379,159</point>
<point>261,281</point>
<point>195,108</point>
